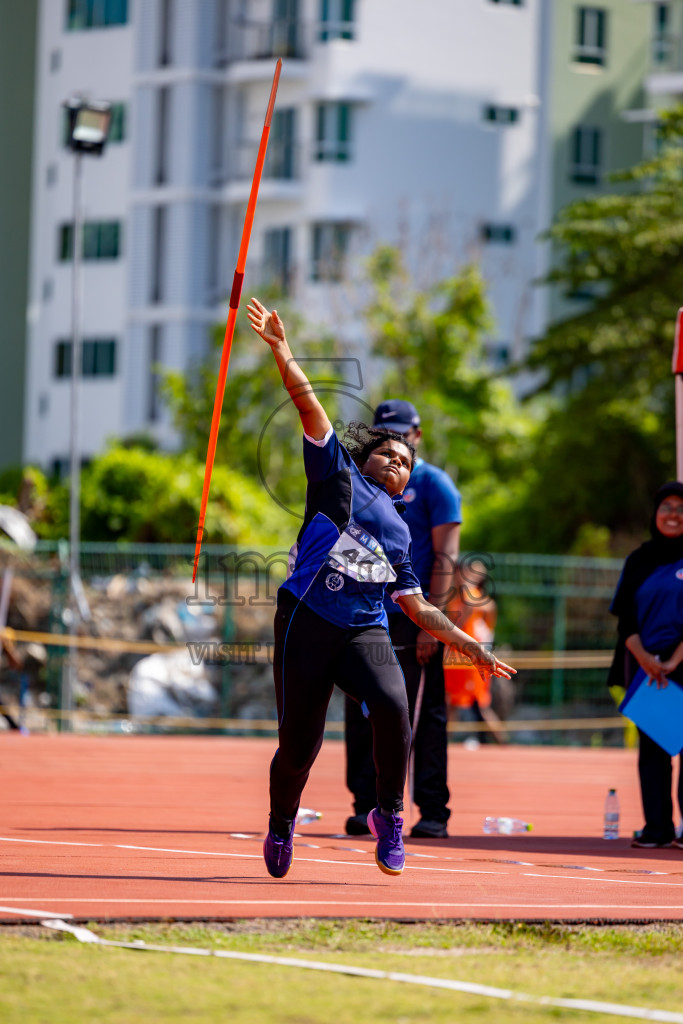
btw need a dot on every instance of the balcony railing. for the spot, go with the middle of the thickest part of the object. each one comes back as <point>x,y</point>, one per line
<point>283,161</point>
<point>265,40</point>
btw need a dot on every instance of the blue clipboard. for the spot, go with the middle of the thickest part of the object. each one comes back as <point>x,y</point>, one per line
<point>659,713</point>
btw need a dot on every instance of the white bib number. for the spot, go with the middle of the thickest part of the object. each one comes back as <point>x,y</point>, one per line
<point>357,554</point>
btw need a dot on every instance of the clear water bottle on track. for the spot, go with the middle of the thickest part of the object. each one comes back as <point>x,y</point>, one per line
<point>611,821</point>
<point>506,826</point>
<point>307,816</point>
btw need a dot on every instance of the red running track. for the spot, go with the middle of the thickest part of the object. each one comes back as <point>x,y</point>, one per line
<point>171,827</point>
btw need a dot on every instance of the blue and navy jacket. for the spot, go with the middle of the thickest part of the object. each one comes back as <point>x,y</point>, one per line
<point>431,499</point>
<point>656,608</point>
<point>353,545</point>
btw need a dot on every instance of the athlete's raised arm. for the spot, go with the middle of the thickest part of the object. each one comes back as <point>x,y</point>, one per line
<point>270,327</point>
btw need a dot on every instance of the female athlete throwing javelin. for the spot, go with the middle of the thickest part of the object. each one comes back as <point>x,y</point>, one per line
<point>330,625</point>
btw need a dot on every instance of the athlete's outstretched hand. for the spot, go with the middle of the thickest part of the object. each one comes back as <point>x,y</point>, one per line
<point>486,663</point>
<point>267,325</point>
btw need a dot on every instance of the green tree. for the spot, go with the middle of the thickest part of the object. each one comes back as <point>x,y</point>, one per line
<point>625,250</point>
<point>432,344</point>
<point>136,495</point>
<point>608,440</point>
<point>260,433</point>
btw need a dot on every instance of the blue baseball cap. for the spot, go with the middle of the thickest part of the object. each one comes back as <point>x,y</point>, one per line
<point>397,415</point>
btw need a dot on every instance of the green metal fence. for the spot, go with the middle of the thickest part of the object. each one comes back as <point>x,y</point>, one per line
<point>545,603</point>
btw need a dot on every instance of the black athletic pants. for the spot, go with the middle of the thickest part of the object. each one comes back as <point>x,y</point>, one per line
<point>310,656</point>
<point>431,739</point>
<point>655,769</point>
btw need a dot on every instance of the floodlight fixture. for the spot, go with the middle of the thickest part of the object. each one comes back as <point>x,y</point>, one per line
<point>88,125</point>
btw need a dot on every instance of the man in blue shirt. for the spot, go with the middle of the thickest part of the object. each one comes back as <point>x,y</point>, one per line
<point>433,515</point>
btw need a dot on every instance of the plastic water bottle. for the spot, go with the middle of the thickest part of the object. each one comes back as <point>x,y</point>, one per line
<point>506,826</point>
<point>307,816</point>
<point>611,827</point>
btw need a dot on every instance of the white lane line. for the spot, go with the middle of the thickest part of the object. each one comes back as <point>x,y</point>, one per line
<point>468,987</point>
<point>257,856</point>
<point>321,860</point>
<point>616,881</point>
<point>32,913</point>
<point>342,902</point>
<point>47,842</point>
<point>313,860</point>
<point>192,853</point>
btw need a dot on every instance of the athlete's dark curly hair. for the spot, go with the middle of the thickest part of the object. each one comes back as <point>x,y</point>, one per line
<point>360,440</point>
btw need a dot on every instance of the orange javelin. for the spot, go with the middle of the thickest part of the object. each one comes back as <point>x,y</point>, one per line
<point>232,313</point>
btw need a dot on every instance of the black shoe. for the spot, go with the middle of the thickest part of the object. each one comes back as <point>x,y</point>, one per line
<point>647,841</point>
<point>357,825</point>
<point>429,830</point>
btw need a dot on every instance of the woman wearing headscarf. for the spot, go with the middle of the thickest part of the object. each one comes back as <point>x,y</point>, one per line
<point>649,606</point>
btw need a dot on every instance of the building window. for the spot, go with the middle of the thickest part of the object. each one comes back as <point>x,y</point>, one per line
<point>661,38</point>
<point>277,258</point>
<point>165,24</point>
<point>117,125</point>
<point>155,355</point>
<point>501,115</point>
<point>280,160</point>
<point>586,155</point>
<point>591,36</point>
<point>95,13</point>
<point>101,240</point>
<point>221,33</point>
<point>499,356</point>
<point>330,248</point>
<point>504,234</point>
<point>336,20</point>
<point>51,174</point>
<point>158,248</point>
<point>162,142</point>
<point>55,60</point>
<point>217,144</point>
<point>333,132</point>
<point>98,358</point>
<point>214,276</point>
<point>508,3</point>
<point>285,29</point>
<point>63,359</point>
<point>48,289</point>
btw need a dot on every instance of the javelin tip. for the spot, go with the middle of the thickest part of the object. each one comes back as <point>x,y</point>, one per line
<point>273,93</point>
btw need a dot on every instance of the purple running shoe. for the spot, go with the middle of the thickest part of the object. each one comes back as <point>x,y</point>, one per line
<point>278,853</point>
<point>389,852</point>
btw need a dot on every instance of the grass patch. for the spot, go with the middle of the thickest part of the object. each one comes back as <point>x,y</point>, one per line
<point>47,976</point>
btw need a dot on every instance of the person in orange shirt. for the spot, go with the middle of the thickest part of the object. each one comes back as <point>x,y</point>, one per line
<point>473,610</point>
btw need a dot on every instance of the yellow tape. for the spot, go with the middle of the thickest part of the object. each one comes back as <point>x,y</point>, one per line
<point>270,725</point>
<point>518,659</point>
<point>91,643</point>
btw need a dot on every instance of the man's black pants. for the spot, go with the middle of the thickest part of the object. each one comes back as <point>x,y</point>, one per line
<point>311,655</point>
<point>431,739</point>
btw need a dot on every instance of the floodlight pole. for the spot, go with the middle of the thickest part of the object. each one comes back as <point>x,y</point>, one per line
<point>89,124</point>
<point>70,678</point>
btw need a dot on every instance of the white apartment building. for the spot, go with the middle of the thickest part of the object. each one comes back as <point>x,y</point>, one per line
<point>665,79</point>
<point>416,123</point>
